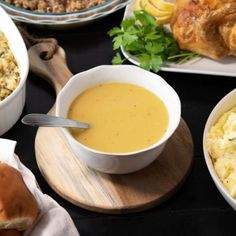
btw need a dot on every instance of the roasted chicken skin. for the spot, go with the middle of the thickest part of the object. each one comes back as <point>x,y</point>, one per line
<point>207,27</point>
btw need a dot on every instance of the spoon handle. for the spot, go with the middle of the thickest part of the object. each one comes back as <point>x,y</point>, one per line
<point>36,119</point>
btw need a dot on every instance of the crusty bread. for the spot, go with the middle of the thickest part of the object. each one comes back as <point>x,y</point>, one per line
<point>10,232</point>
<point>18,207</point>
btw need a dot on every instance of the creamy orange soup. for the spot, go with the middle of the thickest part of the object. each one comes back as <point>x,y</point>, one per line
<point>123,117</point>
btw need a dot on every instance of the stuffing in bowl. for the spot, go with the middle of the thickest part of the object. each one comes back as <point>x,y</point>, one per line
<point>9,70</point>
<point>14,67</point>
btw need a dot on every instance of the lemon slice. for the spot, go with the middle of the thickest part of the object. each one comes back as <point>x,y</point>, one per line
<point>161,20</point>
<point>151,9</point>
<point>137,5</point>
<point>161,16</point>
<point>163,5</point>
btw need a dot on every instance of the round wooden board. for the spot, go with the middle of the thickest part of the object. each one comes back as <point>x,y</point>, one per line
<point>93,190</point>
<point>107,193</point>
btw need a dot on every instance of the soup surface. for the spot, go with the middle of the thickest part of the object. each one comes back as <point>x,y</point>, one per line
<point>123,117</point>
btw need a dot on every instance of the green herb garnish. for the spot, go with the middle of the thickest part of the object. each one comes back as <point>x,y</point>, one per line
<point>150,43</point>
<point>232,139</point>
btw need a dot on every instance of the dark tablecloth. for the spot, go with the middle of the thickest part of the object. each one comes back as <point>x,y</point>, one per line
<point>197,208</point>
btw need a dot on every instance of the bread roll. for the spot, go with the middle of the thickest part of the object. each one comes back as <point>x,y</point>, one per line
<point>10,232</point>
<point>18,207</point>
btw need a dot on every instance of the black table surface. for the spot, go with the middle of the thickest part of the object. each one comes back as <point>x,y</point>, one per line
<point>197,208</point>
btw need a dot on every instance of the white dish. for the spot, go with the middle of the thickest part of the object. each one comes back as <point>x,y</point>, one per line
<point>63,20</point>
<point>119,163</point>
<point>201,65</point>
<point>225,104</point>
<point>11,107</point>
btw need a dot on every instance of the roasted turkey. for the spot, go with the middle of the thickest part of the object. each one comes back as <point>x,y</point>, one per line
<point>207,27</point>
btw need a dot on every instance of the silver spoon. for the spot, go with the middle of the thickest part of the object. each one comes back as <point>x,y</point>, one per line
<point>52,121</point>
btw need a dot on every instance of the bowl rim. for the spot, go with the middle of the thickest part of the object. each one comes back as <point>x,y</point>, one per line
<point>65,21</point>
<point>160,142</point>
<point>25,65</point>
<point>207,157</point>
<point>48,14</point>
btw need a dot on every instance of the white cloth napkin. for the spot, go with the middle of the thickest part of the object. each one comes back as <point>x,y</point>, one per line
<point>53,220</point>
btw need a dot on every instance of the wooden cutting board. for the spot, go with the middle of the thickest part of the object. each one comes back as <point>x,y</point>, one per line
<point>96,191</point>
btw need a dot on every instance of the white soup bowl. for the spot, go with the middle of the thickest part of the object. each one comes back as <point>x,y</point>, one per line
<point>119,163</point>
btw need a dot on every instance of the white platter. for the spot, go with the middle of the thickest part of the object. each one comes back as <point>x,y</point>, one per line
<point>201,65</point>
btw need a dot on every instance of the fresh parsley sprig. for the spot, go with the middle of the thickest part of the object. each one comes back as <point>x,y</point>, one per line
<point>232,139</point>
<point>150,43</point>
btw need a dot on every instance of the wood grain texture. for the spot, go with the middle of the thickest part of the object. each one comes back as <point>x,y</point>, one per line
<point>97,191</point>
<point>107,193</point>
<point>55,70</point>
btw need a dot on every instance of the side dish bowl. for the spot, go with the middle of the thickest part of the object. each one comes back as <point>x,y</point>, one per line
<point>11,107</point>
<point>63,20</point>
<point>119,163</point>
<point>225,104</point>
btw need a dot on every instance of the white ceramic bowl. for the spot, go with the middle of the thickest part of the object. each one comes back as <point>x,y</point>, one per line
<point>119,163</point>
<point>225,104</point>
<point>12,106</point>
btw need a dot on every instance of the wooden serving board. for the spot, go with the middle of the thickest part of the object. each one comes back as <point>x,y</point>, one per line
<point>97,191</point>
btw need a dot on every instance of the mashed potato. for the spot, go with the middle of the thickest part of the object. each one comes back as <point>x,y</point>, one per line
<point>221,144</point>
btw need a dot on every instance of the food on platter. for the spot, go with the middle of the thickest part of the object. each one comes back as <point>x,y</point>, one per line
<point>18,207</point>
<point>221,145</point>
<point>9,71</point>
<point>123,117</point>
<point>148,42</point>
<point>198,28</point>
<point>206,27</point>
<point>55,6</point>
